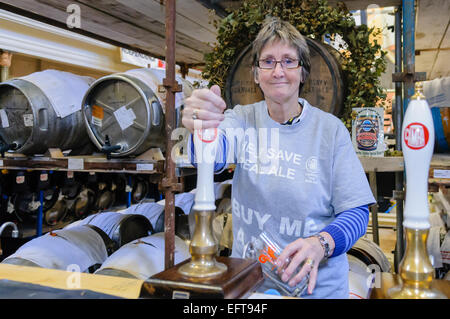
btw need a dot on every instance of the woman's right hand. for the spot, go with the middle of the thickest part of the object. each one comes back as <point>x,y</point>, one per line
<point>203,109</point>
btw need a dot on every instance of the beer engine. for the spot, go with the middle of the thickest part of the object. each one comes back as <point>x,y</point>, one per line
<point>205,275</point>
<point>416,271</point>
<point>203,246</point>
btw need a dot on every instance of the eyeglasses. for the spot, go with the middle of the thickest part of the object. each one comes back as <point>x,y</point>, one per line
<point>286,63</point>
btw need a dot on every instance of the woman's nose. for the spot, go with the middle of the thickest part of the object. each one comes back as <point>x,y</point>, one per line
<point>278,70</point>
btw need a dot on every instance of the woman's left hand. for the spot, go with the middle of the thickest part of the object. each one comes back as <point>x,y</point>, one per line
<point>308,250</point>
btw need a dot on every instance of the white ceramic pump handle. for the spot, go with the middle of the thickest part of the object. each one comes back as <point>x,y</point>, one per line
<point>205,144</point>
<point>417,146</point>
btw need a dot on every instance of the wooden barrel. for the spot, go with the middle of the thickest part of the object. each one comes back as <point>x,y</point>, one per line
<point>441,118</point>
<point>324,88</point>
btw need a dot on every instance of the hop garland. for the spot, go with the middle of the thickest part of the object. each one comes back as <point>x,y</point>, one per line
<point>362,59</point>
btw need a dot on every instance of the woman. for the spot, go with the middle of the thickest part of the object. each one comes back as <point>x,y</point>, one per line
<point>304,182</point>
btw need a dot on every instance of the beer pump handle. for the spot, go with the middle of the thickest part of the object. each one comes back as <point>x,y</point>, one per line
<point>417,146</point>
<point>205,144</point>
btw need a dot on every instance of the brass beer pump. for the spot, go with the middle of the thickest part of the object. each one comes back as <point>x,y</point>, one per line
<point>416,270</point>
<point>205,275</point>
<point>203,247</point>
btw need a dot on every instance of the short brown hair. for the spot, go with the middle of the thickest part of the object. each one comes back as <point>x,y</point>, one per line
<point>276,29</point>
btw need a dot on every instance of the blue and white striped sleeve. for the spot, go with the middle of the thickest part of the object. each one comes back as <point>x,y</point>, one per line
<point>220,163</point>
<point>347,228</point>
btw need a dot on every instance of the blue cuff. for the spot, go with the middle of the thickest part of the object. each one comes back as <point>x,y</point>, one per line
<point>340,240</point>
<point>347,228</point>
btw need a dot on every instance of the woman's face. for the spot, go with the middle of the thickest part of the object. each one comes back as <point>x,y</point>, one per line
<point>279,84</point>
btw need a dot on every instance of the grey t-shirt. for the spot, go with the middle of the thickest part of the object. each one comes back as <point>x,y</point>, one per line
<point>292,180</point>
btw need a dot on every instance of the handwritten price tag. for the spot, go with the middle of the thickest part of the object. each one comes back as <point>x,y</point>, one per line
<point>144,167</point>
<point>75,164</point>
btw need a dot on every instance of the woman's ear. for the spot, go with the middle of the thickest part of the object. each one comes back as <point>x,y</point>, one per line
<point>255,75</point>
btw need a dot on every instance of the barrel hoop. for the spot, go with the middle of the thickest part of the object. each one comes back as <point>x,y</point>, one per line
<point>363,256</point>
<point>109,244</point>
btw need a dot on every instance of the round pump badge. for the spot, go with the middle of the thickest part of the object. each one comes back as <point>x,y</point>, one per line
<point>416,136</point>
<point>207,135</point>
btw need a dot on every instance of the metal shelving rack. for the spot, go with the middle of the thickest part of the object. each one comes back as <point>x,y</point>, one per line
<point>164,171</point>
<point>98,165</point>
<point>89,164</point>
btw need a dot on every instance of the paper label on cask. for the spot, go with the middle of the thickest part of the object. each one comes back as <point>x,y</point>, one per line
<point>20,179</point>
<point>96,121</point>
<point>445,249</point>
<point>97,111</point>
<point>441,173</point>
<point>416,136</point>
<point>28,120</point>
<point>4,118</point>
<point>125,117</point>
<point>97,115</point>
<point>75,164</point>
<point>144,167</point>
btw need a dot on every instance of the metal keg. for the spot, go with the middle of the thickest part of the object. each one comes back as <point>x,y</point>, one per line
<point>121,228</point>
<point>81,248</point>
<point>142,258</point>
<point>124,112</point>
<point>25,198</point>
<point>366,262</point>
<point>371,254</point>
<point>155,213</point>
<point>43,110</point>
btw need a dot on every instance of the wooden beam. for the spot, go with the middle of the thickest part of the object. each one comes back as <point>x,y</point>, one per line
<point>185,25</point>
<point>382,164</point>
<point>351,4</point>
<point>365,4</point>
<point>134,17</point>
<point>441,67</point>
<point>432,20</point>
<point>101,26</point>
